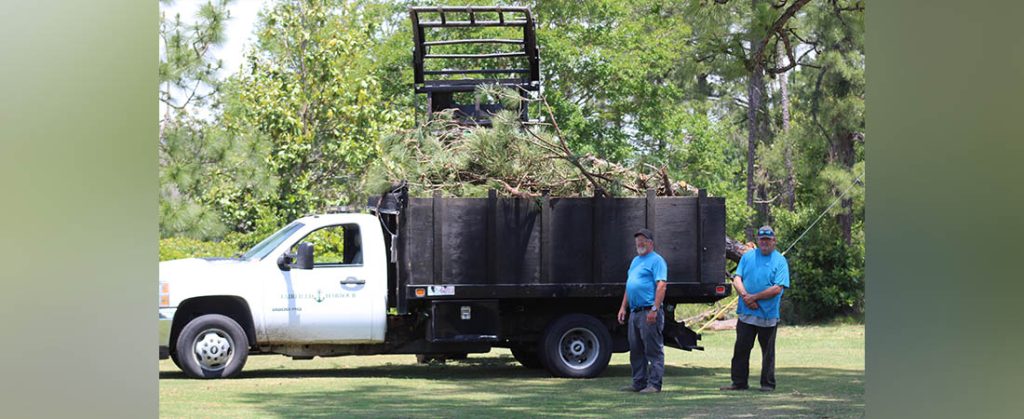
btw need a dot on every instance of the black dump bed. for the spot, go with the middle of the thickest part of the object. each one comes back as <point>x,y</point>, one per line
<point>497,248</point>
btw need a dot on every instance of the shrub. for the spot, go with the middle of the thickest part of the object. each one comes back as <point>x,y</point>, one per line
<point>182,247</point>
<point>826,274</point>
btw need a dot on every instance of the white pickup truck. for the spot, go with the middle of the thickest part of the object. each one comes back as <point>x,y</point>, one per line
<point>439,277</point>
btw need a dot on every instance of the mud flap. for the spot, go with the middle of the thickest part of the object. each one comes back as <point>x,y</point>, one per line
<point>677,335</point>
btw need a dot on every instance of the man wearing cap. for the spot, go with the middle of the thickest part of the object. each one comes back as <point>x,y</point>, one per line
<point>645,291</point>
<point>760,279</point>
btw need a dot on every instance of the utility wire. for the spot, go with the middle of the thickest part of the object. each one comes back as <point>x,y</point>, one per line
<point>737,298</point>
<point>843,195</point>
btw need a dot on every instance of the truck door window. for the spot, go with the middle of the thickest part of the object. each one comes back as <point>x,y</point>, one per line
<point>336,245</point>
<point>263,248</point>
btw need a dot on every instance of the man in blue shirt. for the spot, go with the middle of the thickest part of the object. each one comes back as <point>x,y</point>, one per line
<point>760,279</point>
<point>645,291</point>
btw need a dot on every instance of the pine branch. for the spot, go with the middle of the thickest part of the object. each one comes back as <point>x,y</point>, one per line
<point>758,54</point>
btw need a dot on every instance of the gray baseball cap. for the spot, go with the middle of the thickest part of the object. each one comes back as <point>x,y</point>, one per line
<point>644,232</point>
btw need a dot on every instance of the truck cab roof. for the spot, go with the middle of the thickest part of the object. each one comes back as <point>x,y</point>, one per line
<point>336,218</point>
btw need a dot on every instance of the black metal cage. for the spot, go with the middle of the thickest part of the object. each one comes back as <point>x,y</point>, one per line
<point>511,60</point>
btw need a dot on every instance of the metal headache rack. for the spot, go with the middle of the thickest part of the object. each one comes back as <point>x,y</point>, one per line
<point>518,70</point>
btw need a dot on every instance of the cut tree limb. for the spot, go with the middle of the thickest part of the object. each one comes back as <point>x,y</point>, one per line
<point>735,249</point>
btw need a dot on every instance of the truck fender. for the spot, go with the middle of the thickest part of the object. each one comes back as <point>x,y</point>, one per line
<point>235,307</point>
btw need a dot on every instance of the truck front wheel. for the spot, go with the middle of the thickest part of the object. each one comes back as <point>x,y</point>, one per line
<point>174,359</point>
<point>576,346</point>
<point>212,346</point>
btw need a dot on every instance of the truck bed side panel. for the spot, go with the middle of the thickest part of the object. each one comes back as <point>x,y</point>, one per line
<point>591,240</point>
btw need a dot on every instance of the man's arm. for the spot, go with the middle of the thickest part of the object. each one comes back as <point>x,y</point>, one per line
<point>737,282</point>
<point>659,293</point>
<point>659,296</point>
<point>780,280</point>
<point>767,293</point>
<point>622,307</point>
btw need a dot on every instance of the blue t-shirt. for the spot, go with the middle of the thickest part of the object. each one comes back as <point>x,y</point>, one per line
<point>644,271</point>
<point>760,272</point>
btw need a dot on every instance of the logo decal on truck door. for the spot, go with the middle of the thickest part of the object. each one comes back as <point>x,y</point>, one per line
<point>319,296</point>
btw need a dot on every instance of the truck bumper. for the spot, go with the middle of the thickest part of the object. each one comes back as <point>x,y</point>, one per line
<point>166,317</point>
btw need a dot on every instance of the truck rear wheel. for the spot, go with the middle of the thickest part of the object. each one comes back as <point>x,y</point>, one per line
<point>576,346</point>
<point>527,357</point>
<point>212,346</point>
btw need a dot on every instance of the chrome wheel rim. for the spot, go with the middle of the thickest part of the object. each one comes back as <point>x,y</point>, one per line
<point>578,348</point>
<point>213,349</point>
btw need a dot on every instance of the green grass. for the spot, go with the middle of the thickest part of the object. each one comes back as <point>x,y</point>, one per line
<point>819,370</point>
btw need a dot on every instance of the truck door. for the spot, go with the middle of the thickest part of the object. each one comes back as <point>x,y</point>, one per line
<point>330,303</point>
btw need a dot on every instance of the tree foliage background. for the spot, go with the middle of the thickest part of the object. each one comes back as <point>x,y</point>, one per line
<point>758,101</point>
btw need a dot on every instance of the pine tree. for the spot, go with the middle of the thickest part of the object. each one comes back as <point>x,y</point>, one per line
<point>189,149</point>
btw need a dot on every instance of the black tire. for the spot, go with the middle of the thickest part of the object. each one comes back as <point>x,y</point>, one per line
<point>174,359</point>
<point>575,346</point>
<point>218,340</point>
<point>527,357</point>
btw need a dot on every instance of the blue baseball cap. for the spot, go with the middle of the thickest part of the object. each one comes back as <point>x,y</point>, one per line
<point>765,231</point>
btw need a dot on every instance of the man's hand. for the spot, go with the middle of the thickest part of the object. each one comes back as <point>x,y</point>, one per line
<point>750,301</point>
<point>652,316</point>
<point>622,315</point>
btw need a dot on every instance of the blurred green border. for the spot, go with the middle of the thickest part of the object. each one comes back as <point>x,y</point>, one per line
<point>78,172</point>
<point>79,203</point>
<point>945,213</point>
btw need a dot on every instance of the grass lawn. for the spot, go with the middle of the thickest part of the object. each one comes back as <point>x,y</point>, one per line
<point>819,370</point>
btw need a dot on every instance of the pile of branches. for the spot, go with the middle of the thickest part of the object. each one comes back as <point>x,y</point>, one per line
<point>516,158</point>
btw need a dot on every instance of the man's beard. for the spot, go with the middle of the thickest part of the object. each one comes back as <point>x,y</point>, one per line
<point>640,250</point>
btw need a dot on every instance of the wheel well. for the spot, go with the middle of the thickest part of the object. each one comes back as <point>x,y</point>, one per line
<point>231,306</point>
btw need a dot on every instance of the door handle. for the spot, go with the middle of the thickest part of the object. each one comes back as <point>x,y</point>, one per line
<point>353,281</point>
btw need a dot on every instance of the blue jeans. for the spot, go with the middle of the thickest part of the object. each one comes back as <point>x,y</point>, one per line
<point>646,350</point>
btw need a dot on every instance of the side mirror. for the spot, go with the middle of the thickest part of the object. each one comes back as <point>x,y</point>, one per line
<point>304,257</point>
<point>285,262</point>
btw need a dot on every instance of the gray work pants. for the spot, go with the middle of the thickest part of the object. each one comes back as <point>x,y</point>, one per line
<point>646,350</point>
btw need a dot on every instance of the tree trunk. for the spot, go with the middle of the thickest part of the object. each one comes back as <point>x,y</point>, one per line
<point>784,94</point>
<point>757,124</point>
<point>753,104</point>
<point>841,153</point>
<point>764,208</point>
<point>789,183</point>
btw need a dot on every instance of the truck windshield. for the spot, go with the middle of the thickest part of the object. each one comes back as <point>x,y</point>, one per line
<point>260,250</point>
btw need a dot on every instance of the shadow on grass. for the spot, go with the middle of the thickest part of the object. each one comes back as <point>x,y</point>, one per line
<point>469,369</point>
<point>489,386</point>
